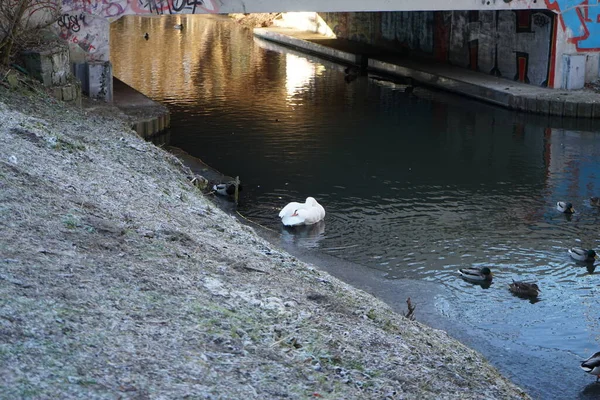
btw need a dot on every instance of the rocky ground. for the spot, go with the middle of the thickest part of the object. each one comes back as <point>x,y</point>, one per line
<point>119,279</point>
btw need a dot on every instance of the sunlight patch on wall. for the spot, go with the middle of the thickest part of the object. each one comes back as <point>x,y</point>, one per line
<point>306,21</point>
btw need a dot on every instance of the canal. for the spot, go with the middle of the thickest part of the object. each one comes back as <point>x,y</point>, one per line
<point>415,185</point>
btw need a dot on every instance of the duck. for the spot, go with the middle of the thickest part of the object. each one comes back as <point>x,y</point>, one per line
<point>592,365</point>
<point>595,201</point>
<point>565,207</point>
<point>526,289</point>
<point>351,73</point>
<point>480,275</point>
<point>178,26</point>
<point>146,36</point>
<point>579,254</point>
<point>352,70</point>
<point>307,213</point>
<point>226,189</point>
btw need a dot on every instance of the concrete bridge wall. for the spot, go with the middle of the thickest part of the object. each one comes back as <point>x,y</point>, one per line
<point>545,42</point>
<point>517,45</point>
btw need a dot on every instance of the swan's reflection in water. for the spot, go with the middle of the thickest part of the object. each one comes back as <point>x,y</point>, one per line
<point>306,236</point>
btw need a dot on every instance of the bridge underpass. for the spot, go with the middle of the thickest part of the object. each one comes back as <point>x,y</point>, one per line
<point>549,43</point>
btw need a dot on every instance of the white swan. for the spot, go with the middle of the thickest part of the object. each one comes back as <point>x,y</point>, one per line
<point>307,213</point>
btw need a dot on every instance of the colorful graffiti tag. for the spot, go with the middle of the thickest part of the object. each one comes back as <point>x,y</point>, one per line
<point>581,20</point>
<point>118,8</point>
<point>84,23</point>
<point>516,45</point>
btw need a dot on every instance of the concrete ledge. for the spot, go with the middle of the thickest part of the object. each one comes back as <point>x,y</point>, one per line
<point>443,82</point>
<point>570,109</point>
<point>584,110</point>
<point>543,106</point>
<point>150,127</point>
<point>556,107</point>
<point>596,110</point>
<point>279,35</point>
<point>147,117</point>
<point>51,66</point>
<point>69,93</point>
<point>499,91</point>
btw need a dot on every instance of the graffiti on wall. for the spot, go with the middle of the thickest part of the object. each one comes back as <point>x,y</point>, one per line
<point>84,23</point>
<point>117,8</point>
<point>516,45</point>
<point>511,44</point>
<point>581,20</point>
<point>410,29</point>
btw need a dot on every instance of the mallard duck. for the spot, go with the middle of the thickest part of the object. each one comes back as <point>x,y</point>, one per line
<point>521,288</point>
<point>564,207</point>
<point>595,201</point>
<point>476,274</point>
<point>226,189</point>
<point>178,26</point>
<point>592,365</point>
<point>307,213</point>
<point>579,254</point>
<point>351,73</point>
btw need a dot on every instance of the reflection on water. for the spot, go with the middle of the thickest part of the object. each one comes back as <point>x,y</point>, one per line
<point>415,185</point>
<point>307,236</point>
<point>299,73</point>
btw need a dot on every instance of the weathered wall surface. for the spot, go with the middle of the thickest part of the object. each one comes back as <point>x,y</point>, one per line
<point>516,39</point>
<point>512,44</point>
<point>84,23</point>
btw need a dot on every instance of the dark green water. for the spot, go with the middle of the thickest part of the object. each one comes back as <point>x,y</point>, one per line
<point>415,186</point>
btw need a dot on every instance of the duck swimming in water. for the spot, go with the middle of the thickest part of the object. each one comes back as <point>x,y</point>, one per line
<point>307,213</point>
<point>592,365</point>
<point>564,207</point>
<point>524,289</point>
<point>479,275</point>
<point>579,254</point>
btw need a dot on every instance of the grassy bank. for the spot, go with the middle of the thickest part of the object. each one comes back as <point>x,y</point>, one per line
<point>120,279</point>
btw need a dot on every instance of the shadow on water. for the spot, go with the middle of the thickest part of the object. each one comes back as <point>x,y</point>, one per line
<point>591,391</point>
<point>415,185</point>
<point>531,299</point>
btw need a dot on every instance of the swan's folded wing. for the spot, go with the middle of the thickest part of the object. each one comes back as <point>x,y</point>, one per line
<point>288,220</point>
<point>290,208</point>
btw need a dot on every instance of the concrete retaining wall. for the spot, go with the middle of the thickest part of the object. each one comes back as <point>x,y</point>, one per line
<point>53,68</point>
<point>516,45</point>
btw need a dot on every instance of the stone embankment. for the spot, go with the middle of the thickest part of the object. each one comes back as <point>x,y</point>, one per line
<point>120,279</point>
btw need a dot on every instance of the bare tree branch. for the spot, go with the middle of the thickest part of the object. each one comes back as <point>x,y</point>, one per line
<point>18,27</point>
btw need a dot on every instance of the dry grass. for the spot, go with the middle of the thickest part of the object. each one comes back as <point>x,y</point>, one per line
<point>256,20</point>
<point>119,279</point>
